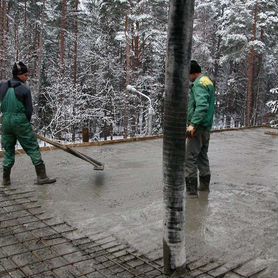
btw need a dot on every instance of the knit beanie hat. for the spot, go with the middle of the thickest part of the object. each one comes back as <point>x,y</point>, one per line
<point>19,68</point>
<point>195,67</point>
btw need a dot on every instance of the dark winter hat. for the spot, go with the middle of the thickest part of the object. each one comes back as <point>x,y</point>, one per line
<point>19,68</point>
<point>195,67</point>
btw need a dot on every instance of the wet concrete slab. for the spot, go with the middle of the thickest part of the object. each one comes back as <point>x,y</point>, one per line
<point>236,222</point>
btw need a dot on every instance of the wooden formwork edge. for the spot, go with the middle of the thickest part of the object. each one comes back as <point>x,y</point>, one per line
<point>132,139</point>
<point>94,144</point>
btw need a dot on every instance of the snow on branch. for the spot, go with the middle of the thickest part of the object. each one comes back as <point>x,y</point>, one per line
<point>273,104</point>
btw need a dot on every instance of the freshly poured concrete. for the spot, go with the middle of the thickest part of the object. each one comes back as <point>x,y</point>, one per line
<point>237,221</point>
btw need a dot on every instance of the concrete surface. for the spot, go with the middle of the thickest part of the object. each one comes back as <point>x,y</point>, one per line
<point>238,220</point>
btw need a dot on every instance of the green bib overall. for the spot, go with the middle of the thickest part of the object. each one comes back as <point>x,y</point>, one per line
<point>15,126</point>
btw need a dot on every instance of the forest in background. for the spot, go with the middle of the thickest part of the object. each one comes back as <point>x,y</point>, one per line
<point>83,54</point>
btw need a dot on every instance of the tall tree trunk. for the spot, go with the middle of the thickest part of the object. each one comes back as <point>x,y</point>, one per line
<point>137,48</point>
<point>217,58</point>
<point>3,38</point>
<point>259,91</point>
<point>75,50</point>
<point>260,76</point>
<point>180,27</point>
<point>217,54</point>
<point>128,70</point>
<point>251,73</point>
<point>25,15</point>
<point>62,36</point>
<point>39,50</point>
<point>16,39</point>
<point>75,56</point>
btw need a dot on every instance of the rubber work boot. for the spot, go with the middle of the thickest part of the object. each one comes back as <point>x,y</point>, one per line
<point>6,176</point>
<point>191,187</point>
<point>42,178</point>
<point>204,183</point>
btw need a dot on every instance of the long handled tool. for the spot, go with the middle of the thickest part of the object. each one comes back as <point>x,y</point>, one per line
<point>97,165</point>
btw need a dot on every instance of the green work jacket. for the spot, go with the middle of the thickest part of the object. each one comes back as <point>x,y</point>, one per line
<point>201,103</point>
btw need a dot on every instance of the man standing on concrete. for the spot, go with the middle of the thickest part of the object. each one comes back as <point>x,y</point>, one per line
<point>16,106</point>
<point>201,106</point>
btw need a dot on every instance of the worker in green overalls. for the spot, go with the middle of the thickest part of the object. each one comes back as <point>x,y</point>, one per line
<point>17,109</point>
<point>200,112</point>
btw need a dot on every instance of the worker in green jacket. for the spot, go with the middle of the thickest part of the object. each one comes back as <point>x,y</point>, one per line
<point>201,106</point>
<point>16,106</point>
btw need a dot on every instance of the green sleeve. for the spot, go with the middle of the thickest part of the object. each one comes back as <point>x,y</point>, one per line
<point>202,105</point>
